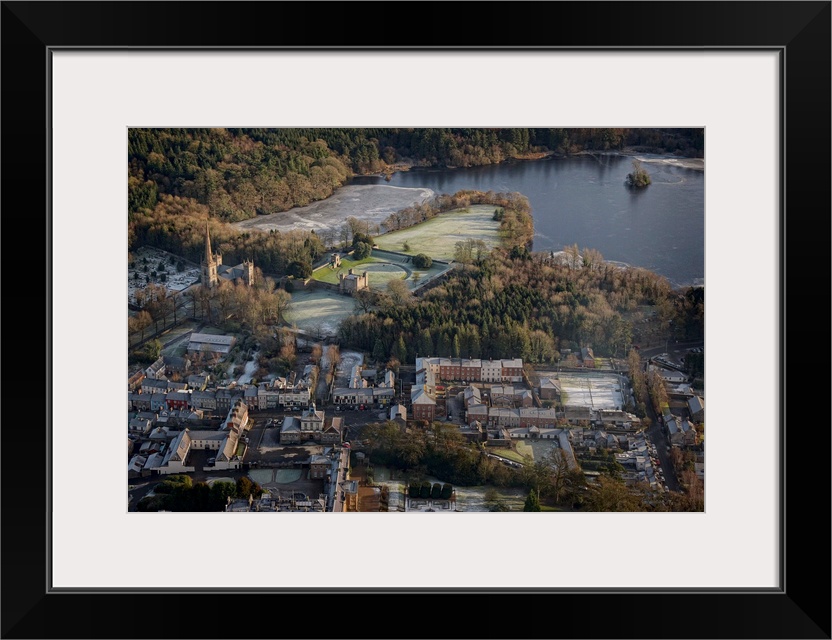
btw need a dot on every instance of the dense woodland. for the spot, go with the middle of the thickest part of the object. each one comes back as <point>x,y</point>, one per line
<point>512,303</point>
<point>180,178</point>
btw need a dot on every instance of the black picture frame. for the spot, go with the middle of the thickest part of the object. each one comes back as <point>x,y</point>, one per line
<point>800,31</point>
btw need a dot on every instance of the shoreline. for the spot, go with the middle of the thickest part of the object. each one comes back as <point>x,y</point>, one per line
<point>561,257</point>
<point>369,203</point>
<point>686,162</point>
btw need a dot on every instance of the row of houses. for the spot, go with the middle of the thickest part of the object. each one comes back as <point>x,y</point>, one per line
<point>142,423</point>
<point>473,369</point>
<point>354,397</point>
<point>286,393</point>
<point>165,395</point>
<point>217,401</point>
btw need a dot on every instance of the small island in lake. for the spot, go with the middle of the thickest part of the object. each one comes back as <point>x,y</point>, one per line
<point>639,178</point>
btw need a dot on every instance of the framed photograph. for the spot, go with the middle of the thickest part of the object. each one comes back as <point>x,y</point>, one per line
<point>80,77</point>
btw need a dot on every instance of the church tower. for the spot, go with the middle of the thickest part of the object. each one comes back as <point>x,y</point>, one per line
<point>210,262</point>
<point>248,272</point>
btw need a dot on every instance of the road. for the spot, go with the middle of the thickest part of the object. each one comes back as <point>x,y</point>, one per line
<point>670,347</point>
<point>656,436</point>
<point>138,488</point>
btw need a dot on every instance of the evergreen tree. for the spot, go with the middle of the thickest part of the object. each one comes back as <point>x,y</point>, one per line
<point>379,352</point>
<point>401,349</point>
<point>532,502</point>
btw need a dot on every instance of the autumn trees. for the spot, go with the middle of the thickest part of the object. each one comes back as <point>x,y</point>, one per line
<point>436,449</point>
<point>238,174</point>
<point>177,225</point>
<point>232,304</point>
<point>553,477</point>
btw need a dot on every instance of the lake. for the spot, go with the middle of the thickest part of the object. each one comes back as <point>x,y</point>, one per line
<point>582,200</point>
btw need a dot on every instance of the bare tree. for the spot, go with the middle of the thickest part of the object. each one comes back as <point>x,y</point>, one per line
<point>573,256</point>
<point>317,352</point>
<point>333,355</point>
<point>400,294</point>
<point>281,301</point>
<point>225,298</point>
<point>366,299</point>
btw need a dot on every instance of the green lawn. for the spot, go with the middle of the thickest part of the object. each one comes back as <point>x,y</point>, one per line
<point>438,236</point>
<point>330,275</point>
<point>524,449</point>
<point>175,350</point>
<point>509,454</point>
<point>381,267</point>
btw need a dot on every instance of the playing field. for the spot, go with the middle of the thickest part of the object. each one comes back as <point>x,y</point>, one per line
<point>438,236</point>
<point>319,312</point>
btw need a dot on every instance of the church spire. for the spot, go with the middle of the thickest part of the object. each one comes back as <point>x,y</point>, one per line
<point>208,256</point>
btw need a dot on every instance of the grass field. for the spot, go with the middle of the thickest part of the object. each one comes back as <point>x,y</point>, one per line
<point>438,237</point>
<point>524,449</point>
<point>319,312</point>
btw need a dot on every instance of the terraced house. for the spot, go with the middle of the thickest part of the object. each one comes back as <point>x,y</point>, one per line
<point>473,369</point>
